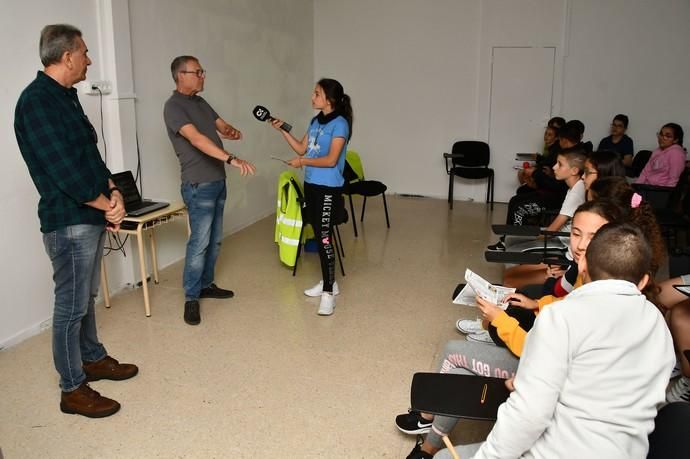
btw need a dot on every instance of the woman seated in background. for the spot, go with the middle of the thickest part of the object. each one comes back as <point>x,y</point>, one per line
<point>618,141</point>
<point>668,161</point>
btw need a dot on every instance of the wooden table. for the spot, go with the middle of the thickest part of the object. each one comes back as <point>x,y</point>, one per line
<point>146,223</point>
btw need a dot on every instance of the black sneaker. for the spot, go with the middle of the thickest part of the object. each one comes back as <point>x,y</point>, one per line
<point>191,312</point>
<point>412,423</point>
<point>417,452</point>
<point>497,247</point>
<point>213,291</point>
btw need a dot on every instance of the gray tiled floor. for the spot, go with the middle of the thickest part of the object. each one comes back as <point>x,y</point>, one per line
<point>263,375</point>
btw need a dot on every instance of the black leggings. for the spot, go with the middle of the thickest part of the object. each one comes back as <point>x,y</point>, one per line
<point>323,205</point>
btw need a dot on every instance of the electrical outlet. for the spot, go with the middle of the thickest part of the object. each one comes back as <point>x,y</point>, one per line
<point>92,87</point>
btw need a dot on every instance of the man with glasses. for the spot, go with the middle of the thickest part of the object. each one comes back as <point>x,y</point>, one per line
<point>618,141</point>
<point>79,201</point>
<point>195,130</point>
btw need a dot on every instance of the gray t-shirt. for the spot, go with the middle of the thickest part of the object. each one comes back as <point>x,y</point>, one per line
<point>179,110</point>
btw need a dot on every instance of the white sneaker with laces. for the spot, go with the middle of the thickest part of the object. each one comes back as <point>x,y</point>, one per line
<point>468,326</point>
<point>679,391</point>
<point>317,290</point>
<point>481,337</point>
<point>327,304</point>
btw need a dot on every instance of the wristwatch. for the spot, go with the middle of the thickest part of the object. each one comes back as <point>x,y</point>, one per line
<point>230,158</point>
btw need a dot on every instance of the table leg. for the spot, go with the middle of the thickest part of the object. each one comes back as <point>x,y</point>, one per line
<point>104,284</point>
<point>142,268</point>
<point>154,255</point>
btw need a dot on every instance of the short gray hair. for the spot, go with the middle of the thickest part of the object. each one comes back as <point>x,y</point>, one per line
<point>179,63</point>
<point>56,39</point>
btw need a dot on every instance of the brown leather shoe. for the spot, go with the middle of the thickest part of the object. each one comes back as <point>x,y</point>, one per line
<point>87,402</point>
<point>109,368</point>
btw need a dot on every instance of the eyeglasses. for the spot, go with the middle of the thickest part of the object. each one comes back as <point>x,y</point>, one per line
<point>199,72</point>
<point>665,136</point>
<point>587,172</point>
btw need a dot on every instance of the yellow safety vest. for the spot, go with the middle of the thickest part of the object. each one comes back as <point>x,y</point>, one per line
<point>289,218</point>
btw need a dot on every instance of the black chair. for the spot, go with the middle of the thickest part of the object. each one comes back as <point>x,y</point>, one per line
<point>340,217</point>
<point>664,198</point>
<point>356,184</point>
<point>470,160</point>
<point>639,162</point>
<point>674,218</point>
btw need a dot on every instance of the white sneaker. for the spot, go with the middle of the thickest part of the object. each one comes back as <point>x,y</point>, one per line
<point>468,326</point>
<point>481,337</point>
<point>327,304</point>
<point>679,391</point>
<point>317,290</point>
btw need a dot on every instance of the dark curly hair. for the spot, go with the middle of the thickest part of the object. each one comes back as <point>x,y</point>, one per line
<point>619,192</point>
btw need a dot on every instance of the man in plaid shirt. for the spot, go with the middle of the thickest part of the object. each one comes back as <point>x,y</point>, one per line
<point>78,203</point>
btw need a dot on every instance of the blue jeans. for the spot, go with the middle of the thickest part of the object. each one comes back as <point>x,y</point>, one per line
<point>75,253</point>
<point>205,203</point>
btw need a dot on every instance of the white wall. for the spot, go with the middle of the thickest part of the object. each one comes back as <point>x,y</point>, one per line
<point>26,274</point>
<point>255,52</point>
<point>405,65</point>
<point>629,56</point>
<point>419,72</point>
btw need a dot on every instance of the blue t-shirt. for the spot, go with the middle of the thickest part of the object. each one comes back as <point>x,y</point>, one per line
<point>319,141</point>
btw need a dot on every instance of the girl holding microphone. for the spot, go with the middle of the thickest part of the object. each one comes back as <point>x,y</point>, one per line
<point>322,154</point>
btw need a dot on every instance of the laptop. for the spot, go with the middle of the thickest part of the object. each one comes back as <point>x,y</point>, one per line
<point>134,205</point>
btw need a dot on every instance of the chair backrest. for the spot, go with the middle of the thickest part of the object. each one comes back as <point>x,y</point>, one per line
<point>475,153</point>
<point>640,161</point>
<point>354,170</point>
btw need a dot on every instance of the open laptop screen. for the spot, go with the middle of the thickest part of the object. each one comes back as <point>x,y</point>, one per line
<point>130,192</point>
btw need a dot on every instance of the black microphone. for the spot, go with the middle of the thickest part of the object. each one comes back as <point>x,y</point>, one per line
<point>261,113</point>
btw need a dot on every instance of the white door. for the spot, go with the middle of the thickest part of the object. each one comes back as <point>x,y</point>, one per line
<point>521,95</point>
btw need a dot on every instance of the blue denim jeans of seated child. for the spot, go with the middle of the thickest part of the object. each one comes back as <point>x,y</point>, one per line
<point>75,252</point>
<point>205,204</point>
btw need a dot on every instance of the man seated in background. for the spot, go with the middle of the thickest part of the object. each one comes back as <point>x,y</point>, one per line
<point>618,141</point>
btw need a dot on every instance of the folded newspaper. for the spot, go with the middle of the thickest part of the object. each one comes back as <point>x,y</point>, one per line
<point>478,286</point>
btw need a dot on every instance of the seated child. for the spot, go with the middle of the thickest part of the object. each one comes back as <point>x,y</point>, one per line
<point>616,202</point>
<point>462,356</point>
<point>618,141</point>
<point>581,389</point>
<point>568,169</point>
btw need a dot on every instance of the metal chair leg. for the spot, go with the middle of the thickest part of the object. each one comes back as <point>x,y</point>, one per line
<point>492,189</point>
<point>364,206</point>
<point>450,191</point>
<point>385,208</point>
<point>352,215</point>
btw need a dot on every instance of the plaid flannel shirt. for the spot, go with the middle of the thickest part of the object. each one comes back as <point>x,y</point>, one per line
<point>59,146</point>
